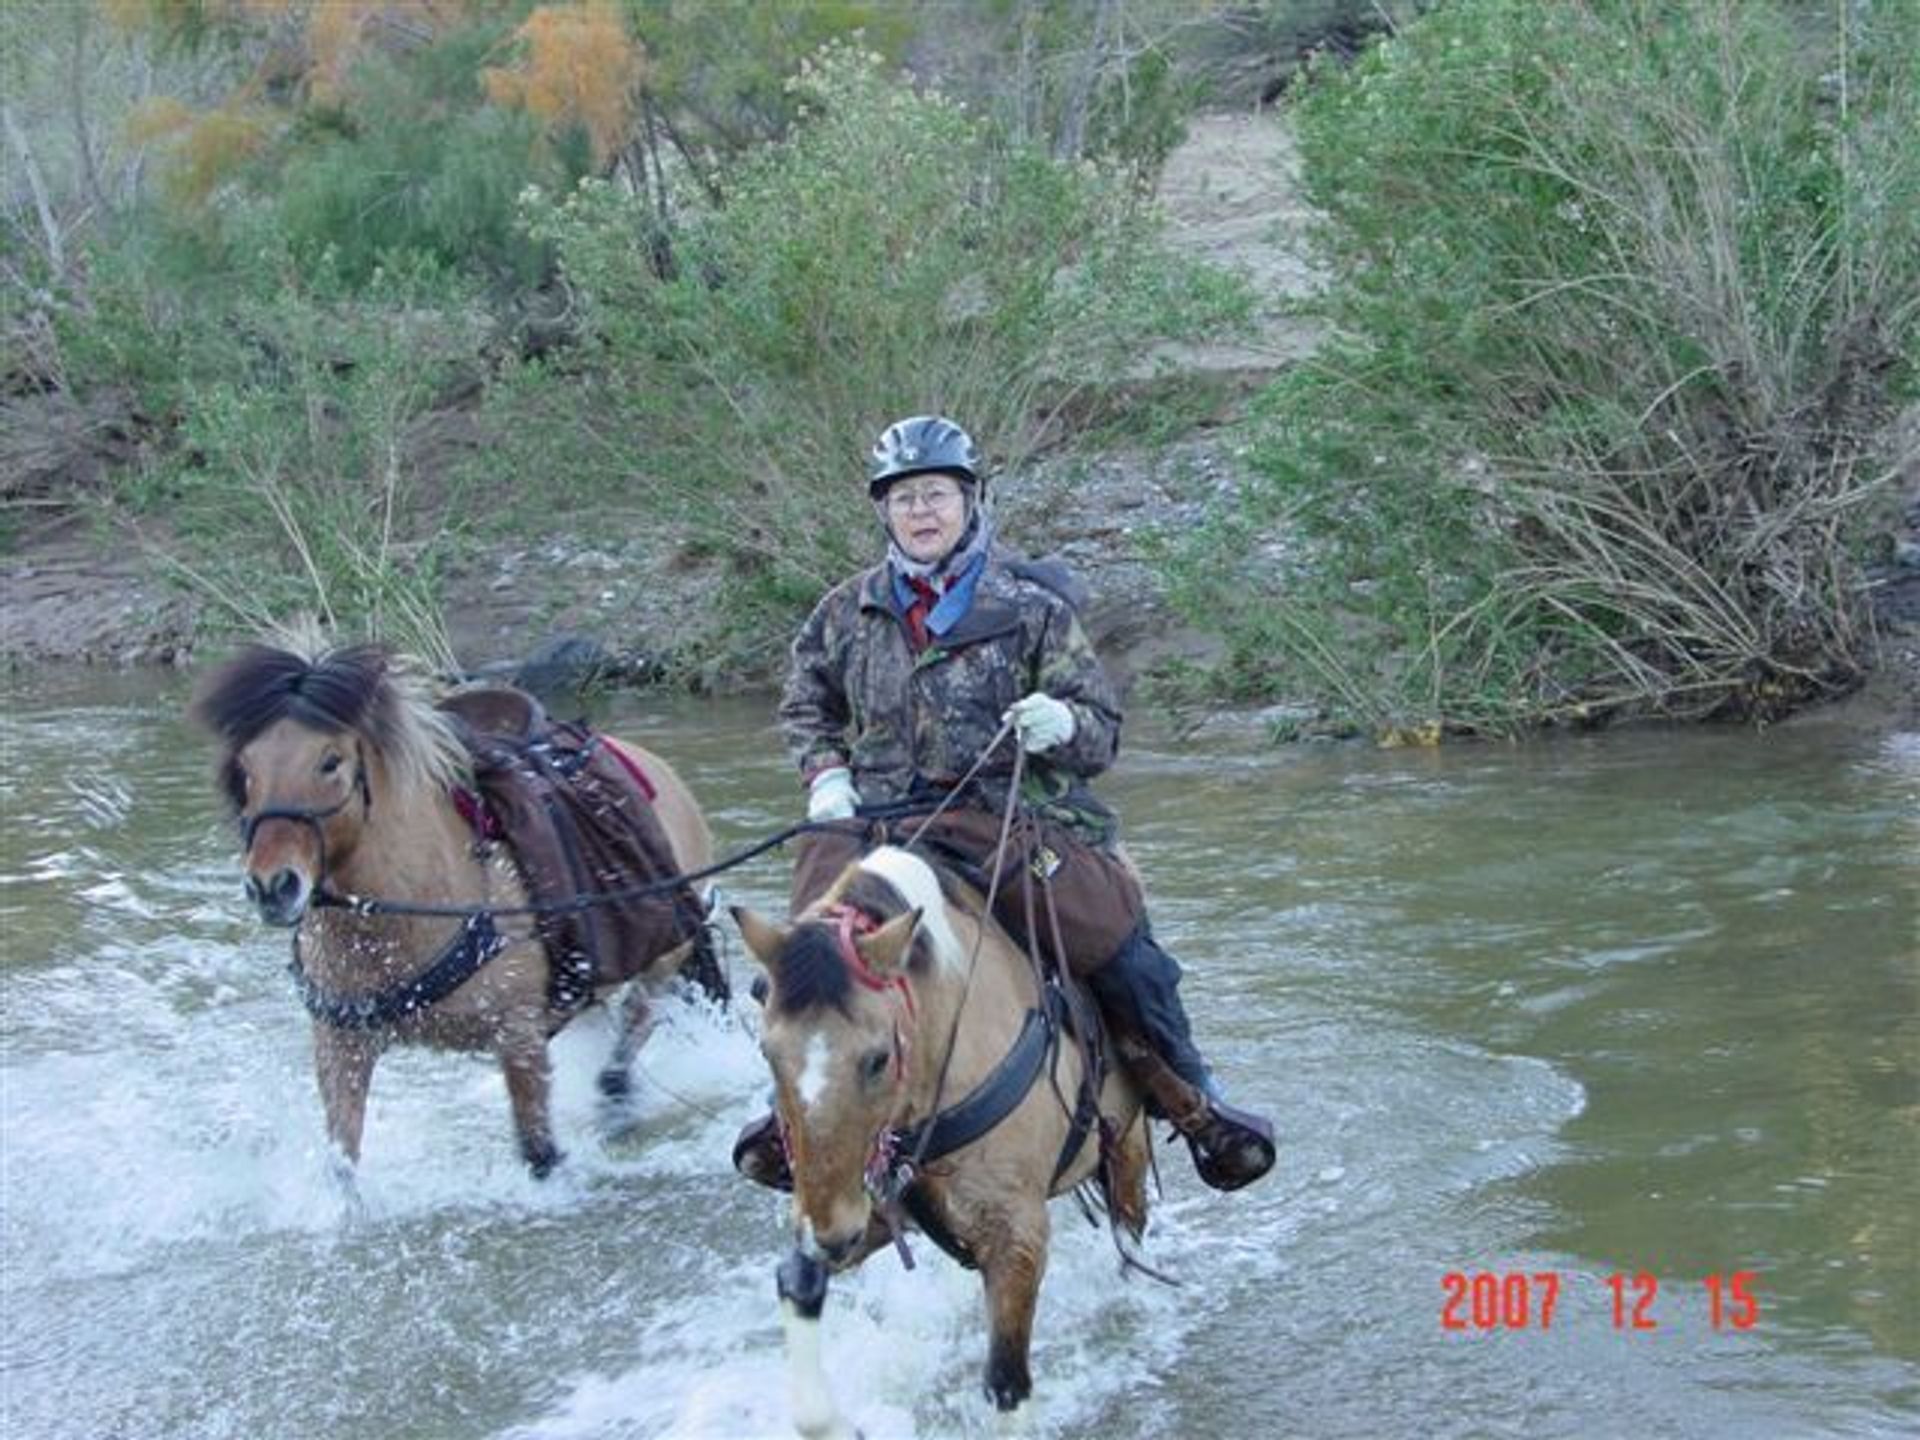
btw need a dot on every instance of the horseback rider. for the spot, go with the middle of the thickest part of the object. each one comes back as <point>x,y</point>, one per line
<point>902,679</point>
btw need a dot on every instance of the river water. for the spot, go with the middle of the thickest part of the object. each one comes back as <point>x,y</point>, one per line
<point>1644,1007</point>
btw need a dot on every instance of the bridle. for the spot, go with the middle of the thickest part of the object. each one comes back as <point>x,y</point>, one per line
<point>848,922</point>
<point>313,816</point>
<point>883,1172</point>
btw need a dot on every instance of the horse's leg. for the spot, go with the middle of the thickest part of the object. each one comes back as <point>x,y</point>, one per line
<point>343,1063</point>
<point>523,1059</point>
<point>635,1025</point>
<point>1012,1261</point>
<point>802,1283</point>
<point>636,1018</point>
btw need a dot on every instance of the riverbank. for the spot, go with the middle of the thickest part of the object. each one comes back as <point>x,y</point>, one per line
<point>74,588</point>
<point>72,594</point>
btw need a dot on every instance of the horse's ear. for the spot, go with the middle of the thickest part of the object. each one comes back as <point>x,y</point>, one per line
<point>885,950</point>
<point>765,940</point>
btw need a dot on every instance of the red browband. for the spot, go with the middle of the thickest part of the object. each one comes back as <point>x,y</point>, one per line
<point>849,921</point>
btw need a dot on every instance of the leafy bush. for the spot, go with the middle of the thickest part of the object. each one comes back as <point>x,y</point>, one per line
<point>293,486</point>
<point>413,161</point>
<point>1624,294</point>
<point>893,255</point>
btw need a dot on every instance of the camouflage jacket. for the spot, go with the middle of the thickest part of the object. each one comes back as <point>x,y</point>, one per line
<point>857,695</point>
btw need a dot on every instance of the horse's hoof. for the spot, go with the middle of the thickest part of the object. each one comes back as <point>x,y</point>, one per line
<point>1008,1386</point>
<point>543,1160</point>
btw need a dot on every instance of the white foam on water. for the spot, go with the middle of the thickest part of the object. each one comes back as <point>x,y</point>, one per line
<point>220,1131</point>
<point>905,1351</point>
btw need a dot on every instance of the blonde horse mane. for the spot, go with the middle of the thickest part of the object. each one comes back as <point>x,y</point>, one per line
<point>384,695</point>
<point>422,749</point>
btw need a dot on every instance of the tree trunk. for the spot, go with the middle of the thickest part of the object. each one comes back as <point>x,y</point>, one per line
<point>1072,137</point>
<point>77,98</point>
<point>49,223</point>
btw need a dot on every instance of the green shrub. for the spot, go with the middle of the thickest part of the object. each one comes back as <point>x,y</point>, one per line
<point>292,485</point>
<point>893,255</point>
<point>1623,295</point>
<point>414,162</point>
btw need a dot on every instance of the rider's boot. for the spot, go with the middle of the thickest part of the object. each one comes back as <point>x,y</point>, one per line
<point>1139,993</point>
<point>761,1155</point>
<point>759,1151</point>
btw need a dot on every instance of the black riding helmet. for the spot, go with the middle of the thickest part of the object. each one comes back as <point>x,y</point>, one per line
<point>921,445</point>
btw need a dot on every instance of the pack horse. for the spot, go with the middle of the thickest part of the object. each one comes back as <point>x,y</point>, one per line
<point>441,868</point>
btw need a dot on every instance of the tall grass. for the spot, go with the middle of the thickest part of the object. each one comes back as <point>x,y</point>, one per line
<point>296,486</point>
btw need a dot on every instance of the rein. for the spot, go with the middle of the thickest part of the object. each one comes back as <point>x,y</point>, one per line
<point>371,905</point>
<point>375,905</point>
<point>993,890</point>
<point>898,1154</point>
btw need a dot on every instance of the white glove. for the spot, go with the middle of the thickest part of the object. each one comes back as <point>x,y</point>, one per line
<point>831,796</point>
<point>1041,722</point>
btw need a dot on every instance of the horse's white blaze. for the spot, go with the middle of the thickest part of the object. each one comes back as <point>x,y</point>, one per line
<point>815,1071</point>
<point>920,888</point>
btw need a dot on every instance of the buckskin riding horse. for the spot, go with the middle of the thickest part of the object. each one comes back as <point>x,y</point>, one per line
<point>445,869</point>
<point>924,1071</point>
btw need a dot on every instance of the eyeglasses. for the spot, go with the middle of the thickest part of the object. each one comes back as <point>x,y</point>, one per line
<point>939,498</point>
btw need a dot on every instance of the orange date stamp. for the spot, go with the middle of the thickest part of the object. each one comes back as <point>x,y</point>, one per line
<point>1531,1299</point>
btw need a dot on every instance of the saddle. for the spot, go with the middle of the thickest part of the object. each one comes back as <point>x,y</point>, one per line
<point>580,820</point>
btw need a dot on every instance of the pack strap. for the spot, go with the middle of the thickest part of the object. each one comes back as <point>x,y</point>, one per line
<point>477,942</point>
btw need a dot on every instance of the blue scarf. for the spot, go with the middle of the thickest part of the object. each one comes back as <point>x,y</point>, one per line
<point>954,575</point>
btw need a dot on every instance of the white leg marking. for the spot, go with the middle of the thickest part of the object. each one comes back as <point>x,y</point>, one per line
<point>814,1413</point>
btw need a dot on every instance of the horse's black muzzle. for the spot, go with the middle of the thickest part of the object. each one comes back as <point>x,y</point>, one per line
<point>281,898</point>
<point>802,1280</point>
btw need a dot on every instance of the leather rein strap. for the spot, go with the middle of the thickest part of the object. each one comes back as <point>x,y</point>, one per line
<point>964,1122</point>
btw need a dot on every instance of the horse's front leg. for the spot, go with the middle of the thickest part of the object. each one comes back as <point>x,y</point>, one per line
<point>343,1063</point>
<point>802,1282</point>
<point>1012,1263</point>
<point>529,1073</point>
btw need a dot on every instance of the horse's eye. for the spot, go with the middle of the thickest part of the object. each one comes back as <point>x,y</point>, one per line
<point>329,765</point>
<point>874,1064</point>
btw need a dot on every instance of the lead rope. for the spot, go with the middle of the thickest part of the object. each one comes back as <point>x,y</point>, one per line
<point>890,1193</point>
<point>895,1176</point>
<point>980,932</point>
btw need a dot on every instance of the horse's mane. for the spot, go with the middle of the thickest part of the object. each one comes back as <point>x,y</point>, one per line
<point>812,972</point>
<point>369,690</point>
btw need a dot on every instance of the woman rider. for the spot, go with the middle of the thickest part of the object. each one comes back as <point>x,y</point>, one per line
<point>901,680</point>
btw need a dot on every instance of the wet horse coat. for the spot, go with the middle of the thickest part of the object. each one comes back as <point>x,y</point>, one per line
<point>893,997</point>
<point>343,775</point>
